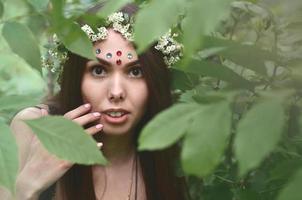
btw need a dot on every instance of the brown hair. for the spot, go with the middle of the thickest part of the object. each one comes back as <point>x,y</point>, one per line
<point>157,166</point>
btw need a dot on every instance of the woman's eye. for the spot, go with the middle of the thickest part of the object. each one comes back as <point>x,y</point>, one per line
<point>98,71</point>
<point>136,72</point>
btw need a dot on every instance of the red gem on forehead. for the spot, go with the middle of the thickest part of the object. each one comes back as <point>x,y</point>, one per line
<point>118,62</point>
<point>118,53</point>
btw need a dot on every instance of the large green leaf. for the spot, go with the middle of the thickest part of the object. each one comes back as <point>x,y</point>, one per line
<point>293,190</point>
<point>1,8</point>
<point>217,71</point>
<point>202,18</point>
<point>23,43</point>
<point>74,39</point>
<point>112,6</point>
<point>70,33</point>
<point>8,158</point>
<point>258,133</point>
<point>248,56</point>
<point>182,81</point>
<point>206,139</point>
<point>154,20</point>
<point>167,127</point>
<point>67,140</point>
<point>284,170</point>
<point>17,102</point>
<point>39,5</point>
<point>57,9</point>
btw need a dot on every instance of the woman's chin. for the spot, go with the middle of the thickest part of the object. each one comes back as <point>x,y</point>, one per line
<point>115,131</point>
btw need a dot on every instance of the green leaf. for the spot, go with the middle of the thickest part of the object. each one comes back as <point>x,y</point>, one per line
<point>70,33</point>
<point>284,170</point>
<point>57,10</point>
<point>183,81</point>
<point>206,139</point>
<point>202,18</point>
<point>1,8</point>
<point>8,158</point>
<point>112,6</point>
<point>217,71</point>
<point>39,5</point>
<point>23,43</point>
<point>293,189</point>
<point>17,102</point>
<point>67,140</point>
<point>258,133</point>
<point>167,127</point>
<point>74,39</point>
<point>154,20</point>
<point>247,56</point>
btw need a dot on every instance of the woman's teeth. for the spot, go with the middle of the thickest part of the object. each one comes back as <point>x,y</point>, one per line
<point>115,114</point>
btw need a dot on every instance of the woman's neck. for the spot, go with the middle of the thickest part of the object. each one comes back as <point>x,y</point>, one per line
<point>118,150</point>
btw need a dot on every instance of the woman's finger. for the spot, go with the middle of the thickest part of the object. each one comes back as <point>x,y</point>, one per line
<point>44,112</point>
<point>90,117</point>
<point>79,111</point>
<point>94,129</point>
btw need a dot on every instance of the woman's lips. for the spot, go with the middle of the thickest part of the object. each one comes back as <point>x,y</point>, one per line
<point>115,120</point>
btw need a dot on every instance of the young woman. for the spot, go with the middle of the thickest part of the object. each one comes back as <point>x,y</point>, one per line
<point>112,98</point>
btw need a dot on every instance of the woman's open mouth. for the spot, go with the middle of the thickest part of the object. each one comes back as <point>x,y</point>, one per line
<point>116,116</point>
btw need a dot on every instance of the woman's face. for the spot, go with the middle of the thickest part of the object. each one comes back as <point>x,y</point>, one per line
<point>115,86</point>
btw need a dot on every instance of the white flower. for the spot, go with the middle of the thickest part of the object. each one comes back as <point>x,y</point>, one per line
<point>168,49</point>
<point>94,38</point>
<point>117,27</point>
<point>87,29</point>
<point>126,28</point>
<point>128,36</point>
<point>115,17</point>
<point>172,47</point>
<point>103,33</point>
<point>55,38</point>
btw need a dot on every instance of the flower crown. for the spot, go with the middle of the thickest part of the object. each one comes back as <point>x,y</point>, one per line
<point>122,23</point>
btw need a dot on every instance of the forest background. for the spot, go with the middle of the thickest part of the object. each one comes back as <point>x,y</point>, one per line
<point>237,90</point>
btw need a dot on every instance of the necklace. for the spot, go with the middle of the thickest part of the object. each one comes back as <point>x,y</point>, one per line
<point>134,162</point>
<point>130,189</point>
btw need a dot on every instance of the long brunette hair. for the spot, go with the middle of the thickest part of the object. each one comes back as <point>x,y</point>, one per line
<point>157,166</point>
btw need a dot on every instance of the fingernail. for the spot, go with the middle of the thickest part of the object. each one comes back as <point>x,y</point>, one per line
<point>99,126</point>
<point>97,114</point>
<point>87,105</point>
<point>44,112</point>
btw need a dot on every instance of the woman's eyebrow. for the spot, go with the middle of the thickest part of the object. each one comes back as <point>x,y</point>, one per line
<point>135,62</point>
<point>104,62</point>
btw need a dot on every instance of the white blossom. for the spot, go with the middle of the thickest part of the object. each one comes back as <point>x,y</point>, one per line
<point>115,17</point>
<point>103,33</point>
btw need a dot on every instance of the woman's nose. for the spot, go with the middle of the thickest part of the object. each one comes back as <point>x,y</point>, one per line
<point>116,89</point>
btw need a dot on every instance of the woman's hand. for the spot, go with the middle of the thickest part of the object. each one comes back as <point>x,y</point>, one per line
<point>42,169</point>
